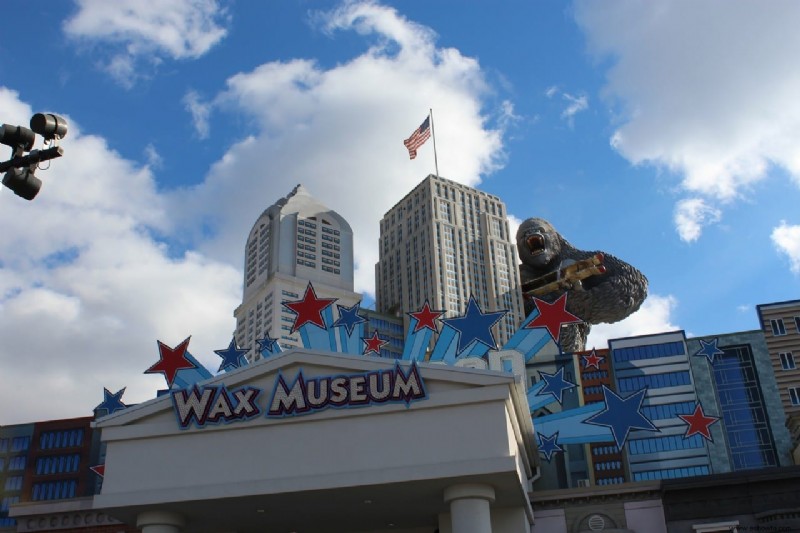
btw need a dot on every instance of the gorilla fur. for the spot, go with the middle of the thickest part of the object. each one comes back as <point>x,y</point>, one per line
<point>607,297</point>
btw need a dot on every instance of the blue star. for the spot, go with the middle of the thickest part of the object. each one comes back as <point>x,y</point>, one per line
<point>349,317</point>
<point>231,356</point>
<point>112,402</point>
<point>475,325</point>
<point>267,344</point>
<point>555,384</point>
<point>549,445</point>
<point>622,415</point>
<point>709,349</point>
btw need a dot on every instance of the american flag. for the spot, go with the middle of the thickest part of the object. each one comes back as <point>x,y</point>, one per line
<point>418,138</point>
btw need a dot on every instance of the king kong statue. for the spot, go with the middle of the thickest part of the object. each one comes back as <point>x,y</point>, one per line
<point>613,293</point>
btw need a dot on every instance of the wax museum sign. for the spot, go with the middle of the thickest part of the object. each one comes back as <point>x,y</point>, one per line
<point>213,404</point>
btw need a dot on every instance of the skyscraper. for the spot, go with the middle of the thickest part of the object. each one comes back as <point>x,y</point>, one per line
<point>292,242</point>
<point>442,243</point>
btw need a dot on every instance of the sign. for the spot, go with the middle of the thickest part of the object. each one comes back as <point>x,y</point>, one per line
<point>214,404</point>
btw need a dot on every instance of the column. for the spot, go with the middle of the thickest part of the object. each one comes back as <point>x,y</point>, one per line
<point>469,507</point>
<point>160,522</point>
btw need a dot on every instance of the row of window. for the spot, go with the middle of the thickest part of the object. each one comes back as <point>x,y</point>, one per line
<point>331,270</point>
<point>55,490</point>
<point>600,374</point>
<point>667,410</point>
<point>58,464</point>
<point>652,351</point>
<point>16,463</point>
<point>671,473</point>
<point>655,381</point>
<point>604,450</point>
<point>779,328</point>
<point>13,483</point>
<point>665,444</point>
<point>18,444</point>
<point>611,481</point>
<point>68,438</point>
<point>608,465</point>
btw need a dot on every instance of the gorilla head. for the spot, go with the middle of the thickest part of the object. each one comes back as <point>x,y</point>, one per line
<point>539,244</point>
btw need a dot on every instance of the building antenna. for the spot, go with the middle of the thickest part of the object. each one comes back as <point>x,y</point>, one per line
<point>433,134</point>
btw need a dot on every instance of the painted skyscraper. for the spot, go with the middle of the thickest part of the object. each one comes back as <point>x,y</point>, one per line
<point>442,243</point>
<point>294,241</point>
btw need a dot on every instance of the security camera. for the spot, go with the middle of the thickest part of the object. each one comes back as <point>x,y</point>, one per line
<point>49,126</point>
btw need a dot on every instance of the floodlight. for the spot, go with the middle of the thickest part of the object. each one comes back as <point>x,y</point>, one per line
<point>22,182</point>
<point>49,126</point>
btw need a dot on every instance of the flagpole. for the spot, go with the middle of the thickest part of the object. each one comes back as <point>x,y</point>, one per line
<point>433,134</point>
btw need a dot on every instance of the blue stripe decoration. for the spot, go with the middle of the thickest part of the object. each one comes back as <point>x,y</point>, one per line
<point>570,425</point>
<point>187,377</point>
<point>350,344</point>
<point>536,400</point>
<point>528,342</point>
<point>445,349</point>
<point>316,338</point>
<point>416,343</point>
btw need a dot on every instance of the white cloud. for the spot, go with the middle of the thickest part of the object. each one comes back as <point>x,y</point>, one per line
<point>691,215</point>
<point>576,104</point>
<point>154,159</point>
<point>340,130</point>
<point>705,89</point>
<point>654,316</point>
<point>551,91</point>
<point>135,30</point>
<point>85,290</point>
<point>786,239</point>
<point>200,112</point>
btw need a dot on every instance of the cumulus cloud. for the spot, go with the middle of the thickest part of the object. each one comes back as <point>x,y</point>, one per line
<point>85,289</point>
<point>132,31</point>
<point>786,239</point>
<point>654,316</point>
<point>696,97</point>
<point>340,129</point>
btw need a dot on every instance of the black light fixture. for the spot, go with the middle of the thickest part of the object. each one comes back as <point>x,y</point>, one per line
<point>20,169</point>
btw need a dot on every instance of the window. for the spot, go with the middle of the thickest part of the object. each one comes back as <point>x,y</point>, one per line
<point>797,324</point>
<point>777,326</point>
<point>19,444</point>
<point>14,483</point>
<point>794,395</point>
<point>787,360</point>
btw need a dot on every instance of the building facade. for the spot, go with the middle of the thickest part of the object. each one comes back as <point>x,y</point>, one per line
<point>780,322</point>
<point>293,242</point>
<point>443,243</point>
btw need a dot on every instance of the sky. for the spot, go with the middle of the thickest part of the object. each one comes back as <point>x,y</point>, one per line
<point>664,133</point>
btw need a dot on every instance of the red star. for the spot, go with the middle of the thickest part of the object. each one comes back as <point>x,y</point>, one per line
<point>374,344</point>
<point>698,423</point>
<point>552,316</point>
<point>593,360</point>
<point>100,470</point>
<point>309,309</point>
<point>425,318</point>
<point>171,360</point>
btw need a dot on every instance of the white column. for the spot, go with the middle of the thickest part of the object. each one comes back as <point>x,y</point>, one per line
<point>160,522</point>
<point>469,507</point>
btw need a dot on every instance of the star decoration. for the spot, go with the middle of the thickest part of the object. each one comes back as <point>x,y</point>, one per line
<point>549,445</point>
<point>552,316</point>
<point>709,349</point>
<point>267,344</point>
<point>309,309</point>
<point>171,360</point>
<point>474,326</point>
<point>622,415</point>
<point>555,384</point>
<point>698,423</point>
<point>112,402</point>
<point>231,356</point>
<point>374,344</point>
<point>593,360</point>
<point>349,317</point>
<point>426,318</point>
<point>100,470</point>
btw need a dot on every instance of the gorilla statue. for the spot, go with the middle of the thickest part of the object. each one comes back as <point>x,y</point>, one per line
<point>607,297</point>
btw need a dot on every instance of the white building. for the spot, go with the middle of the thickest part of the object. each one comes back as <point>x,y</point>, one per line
<point>294,241</point>
<point>443,243</point>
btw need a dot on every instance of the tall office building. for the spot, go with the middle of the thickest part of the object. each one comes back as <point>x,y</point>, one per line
<point>294,241</point>
<point>442,243</point>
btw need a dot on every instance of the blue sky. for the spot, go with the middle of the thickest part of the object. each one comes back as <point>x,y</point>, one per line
<point>664,134</point>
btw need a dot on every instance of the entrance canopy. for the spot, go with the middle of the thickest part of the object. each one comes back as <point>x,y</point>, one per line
<point>318,441</point>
